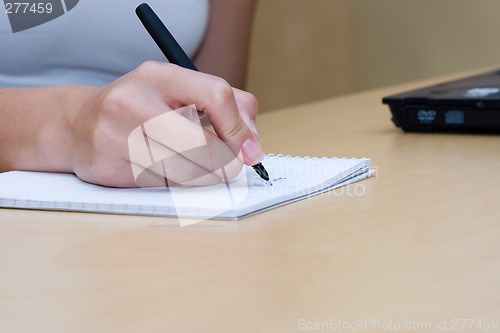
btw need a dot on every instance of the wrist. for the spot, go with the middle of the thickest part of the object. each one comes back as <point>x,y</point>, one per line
<point>75,99</point>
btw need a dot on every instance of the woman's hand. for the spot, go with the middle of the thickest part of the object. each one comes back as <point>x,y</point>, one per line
<point>98,131</point>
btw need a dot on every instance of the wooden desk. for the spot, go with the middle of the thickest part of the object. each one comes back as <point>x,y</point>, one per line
<point>418,244</point>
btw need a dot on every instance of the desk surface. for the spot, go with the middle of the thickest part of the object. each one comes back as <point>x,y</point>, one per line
<point>417,245</point>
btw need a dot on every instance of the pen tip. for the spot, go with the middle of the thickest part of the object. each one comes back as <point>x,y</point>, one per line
<point>261,171</point>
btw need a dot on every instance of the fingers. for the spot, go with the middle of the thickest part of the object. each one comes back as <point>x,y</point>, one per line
<point>248,108</point>
<point>175,147</point>
<point>164,143</point>
<point>212,96</point>
<point>247,103</point>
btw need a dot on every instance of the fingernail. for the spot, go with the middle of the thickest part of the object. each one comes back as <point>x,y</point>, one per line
<point>252,151</point>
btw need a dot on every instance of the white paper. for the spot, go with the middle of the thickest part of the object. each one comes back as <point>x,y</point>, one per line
<point>293,178</point>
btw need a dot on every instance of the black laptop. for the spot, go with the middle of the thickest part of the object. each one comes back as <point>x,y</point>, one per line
<point>469,104</point>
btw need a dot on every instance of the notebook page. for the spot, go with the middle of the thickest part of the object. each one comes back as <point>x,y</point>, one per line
<point>293,178</point>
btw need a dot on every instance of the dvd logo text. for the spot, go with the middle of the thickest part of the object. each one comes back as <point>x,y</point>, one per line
<point>426,116</point>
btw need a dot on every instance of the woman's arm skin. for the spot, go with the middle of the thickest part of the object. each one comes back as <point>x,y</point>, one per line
<point>33,127</point>
<point>85,130</point>
<point>224,52</point>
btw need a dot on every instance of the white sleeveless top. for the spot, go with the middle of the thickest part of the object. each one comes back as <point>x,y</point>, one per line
<point>95,42</point>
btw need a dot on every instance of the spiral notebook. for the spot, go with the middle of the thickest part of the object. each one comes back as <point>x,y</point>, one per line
<point>293,178</point>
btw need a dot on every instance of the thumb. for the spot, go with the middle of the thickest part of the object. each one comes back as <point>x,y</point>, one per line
<point>214,97</point>
<point>228,122</point>
<point>234,131</point>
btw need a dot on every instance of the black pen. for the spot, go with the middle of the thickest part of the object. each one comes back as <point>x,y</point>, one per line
<point>174,53</point>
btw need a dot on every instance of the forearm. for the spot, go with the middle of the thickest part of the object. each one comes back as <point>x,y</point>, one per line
<point>34,127</point>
